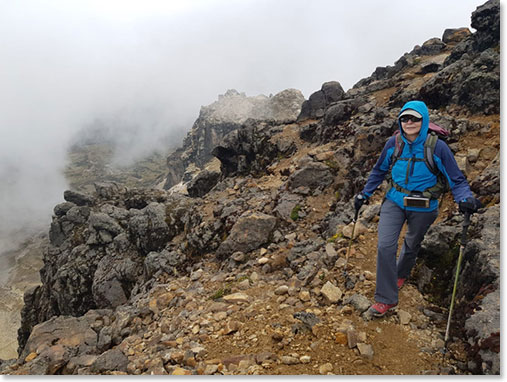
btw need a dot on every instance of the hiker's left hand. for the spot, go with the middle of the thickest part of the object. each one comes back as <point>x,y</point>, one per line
<point>470,205</point>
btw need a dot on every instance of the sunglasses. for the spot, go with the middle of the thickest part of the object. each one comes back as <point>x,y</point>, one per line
<point>412,118</point>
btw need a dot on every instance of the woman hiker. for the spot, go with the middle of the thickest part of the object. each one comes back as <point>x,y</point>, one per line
<point>412,197</point>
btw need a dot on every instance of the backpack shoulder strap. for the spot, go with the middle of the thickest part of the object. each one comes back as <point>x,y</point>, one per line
<point>398,149</point>
<point>429,150</point>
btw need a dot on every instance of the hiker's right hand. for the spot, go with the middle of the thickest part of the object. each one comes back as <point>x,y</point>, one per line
<point>359,200</point>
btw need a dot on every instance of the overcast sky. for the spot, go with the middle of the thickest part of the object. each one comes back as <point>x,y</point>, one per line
<point>152,64</point>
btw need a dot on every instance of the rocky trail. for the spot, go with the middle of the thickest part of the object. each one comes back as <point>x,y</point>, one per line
<point>238,265</point>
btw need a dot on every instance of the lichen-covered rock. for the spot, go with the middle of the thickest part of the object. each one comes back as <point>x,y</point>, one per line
<point>455,35</point>
<point>165,261</point>
<point>148,228</point>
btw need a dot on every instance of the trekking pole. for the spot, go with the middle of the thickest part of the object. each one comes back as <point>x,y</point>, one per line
<point>350,243</point>
<point>466,223</point>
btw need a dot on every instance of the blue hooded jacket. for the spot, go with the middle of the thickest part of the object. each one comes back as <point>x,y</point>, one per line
<point>415,175</point>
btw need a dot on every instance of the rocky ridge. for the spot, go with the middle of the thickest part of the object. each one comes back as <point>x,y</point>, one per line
<point>246,276</point>
<point>215,121</point>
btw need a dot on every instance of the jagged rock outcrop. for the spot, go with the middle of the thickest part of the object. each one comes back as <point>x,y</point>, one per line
<point>97,252</point>
<point>248,150</point>
<point>319,101</point>
<point>220,118</point>
<point>471,74</point>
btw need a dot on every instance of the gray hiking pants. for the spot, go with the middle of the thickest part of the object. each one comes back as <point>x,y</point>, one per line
<point>392,218</point>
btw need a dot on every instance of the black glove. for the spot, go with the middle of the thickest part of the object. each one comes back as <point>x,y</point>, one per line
<point>359,200</point>
<point>470,205</point>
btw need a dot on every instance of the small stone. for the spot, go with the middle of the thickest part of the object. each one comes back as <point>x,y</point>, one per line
<point>304,296</point>
<point>404,317</point>
<point>305,359</point>
<point>236,297</point>
<point>359,302</point>
<point>437,343</point>
<point>219,316</point>
<point>265,357</point>
<point>244,285</point>
<point>365,350</point>
<point>473,155</point>
<point>326,368</point>
<point>232,327</point>
<point>30,357</point>
<point>181,371</point>
<point>281,290</point>
<point>290,236</point>
<point>210,369</point>
<point>239,257</point>
<point>254,277</point>
<point>194,276</point>
<point>263,251</point>
<point>196,329</point>
<point>330,250</point>
<point>341,338</point>
<point>351,338</point>
<point>331,292</point>
<point>347,310</point>
<point>244,364</point>
<point>277,336</point>
<point>177,356</point>
<point>340,263</point>
<point>369,275</point>
<point>288,360</point>
<point>262,261</point>
<point>359,230</point>
<point>153,306</point>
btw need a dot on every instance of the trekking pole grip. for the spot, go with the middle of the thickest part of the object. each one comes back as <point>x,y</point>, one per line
<point>357,214</point>
<point>466,223</point>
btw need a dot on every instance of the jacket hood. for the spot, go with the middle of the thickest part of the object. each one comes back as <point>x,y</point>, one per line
<point>422,109</point>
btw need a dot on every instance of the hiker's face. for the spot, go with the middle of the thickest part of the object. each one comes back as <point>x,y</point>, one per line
<point>411,129</point>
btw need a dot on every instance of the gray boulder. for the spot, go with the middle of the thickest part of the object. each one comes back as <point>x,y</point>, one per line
<point>113,280</point>
<point>252,230</point>
<point>313,175</point>
<point>111,360</point>
<point>286,204</point>
<point>57,341</point>
<point>165,261</point>
<point>455,35</point>
<point>62,208</point>
<point>78,198</point>
<point>317,103</point>
<point>148,228</point>
<point>202,183</point>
